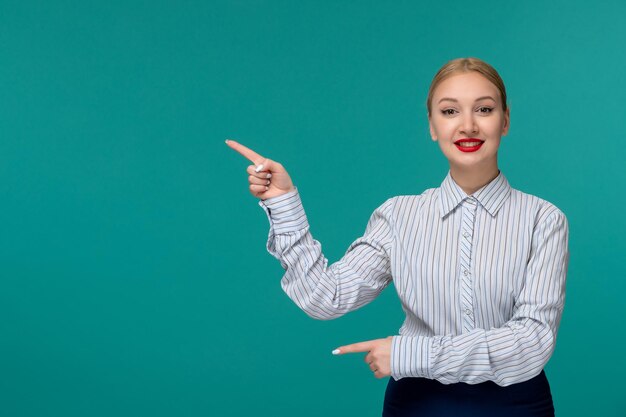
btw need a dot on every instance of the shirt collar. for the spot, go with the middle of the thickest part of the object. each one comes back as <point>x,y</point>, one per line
<point>491,196</point>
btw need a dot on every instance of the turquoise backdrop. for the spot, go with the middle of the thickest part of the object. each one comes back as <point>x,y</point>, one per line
<point>134,279</point>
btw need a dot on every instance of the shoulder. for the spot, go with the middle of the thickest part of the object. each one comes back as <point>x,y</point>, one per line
<point>401,201</point>
<point>401,206</point>
<point>540,209</point>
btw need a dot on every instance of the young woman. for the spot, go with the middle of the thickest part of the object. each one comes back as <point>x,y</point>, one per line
<point>479,267</point>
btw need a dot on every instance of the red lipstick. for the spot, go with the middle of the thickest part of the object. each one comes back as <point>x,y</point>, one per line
<point>469,144</point>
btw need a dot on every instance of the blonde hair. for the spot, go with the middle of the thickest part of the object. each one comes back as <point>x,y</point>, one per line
<point>462,65</point>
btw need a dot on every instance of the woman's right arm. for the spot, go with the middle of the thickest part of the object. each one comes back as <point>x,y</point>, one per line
<point>326,292</point>
<point>322,291</point>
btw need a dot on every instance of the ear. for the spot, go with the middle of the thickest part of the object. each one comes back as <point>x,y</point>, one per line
<point>433,135</point>
<point>507,121</point>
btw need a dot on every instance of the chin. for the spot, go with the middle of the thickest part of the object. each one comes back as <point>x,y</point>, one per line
<point>468,163</point>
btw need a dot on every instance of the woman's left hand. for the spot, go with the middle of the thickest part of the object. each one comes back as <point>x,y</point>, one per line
<point>378,354</point>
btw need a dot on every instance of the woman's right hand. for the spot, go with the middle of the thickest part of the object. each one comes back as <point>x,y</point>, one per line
<point>267,178</point>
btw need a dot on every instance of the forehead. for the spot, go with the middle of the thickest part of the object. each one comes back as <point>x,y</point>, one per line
<point>465,86</point>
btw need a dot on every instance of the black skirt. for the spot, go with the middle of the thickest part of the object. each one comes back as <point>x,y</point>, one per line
<point>421,397</point>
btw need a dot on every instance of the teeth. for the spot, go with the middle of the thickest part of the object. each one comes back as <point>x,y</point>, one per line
<point>468,144</point>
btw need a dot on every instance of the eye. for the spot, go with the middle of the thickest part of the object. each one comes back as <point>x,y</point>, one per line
<point>485,110</point>
<point>448,112</point>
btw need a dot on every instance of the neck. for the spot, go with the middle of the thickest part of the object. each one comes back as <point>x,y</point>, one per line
<point>473,179</point>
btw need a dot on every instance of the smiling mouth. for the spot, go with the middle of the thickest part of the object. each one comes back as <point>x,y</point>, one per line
<point>469,144</point>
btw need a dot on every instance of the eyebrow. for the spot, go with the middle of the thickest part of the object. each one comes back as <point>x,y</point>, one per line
<point>456,101</point>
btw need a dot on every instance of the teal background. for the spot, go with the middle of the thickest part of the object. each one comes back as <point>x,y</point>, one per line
<point>134,278</point>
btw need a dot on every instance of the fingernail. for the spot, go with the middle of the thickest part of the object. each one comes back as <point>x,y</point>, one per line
<point>269,176</point>
<point>259,168</point>
<point>336,352</point>
<point>226,141</point>
<point>267,188</point>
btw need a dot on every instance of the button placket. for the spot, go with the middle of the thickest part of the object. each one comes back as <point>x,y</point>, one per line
<point>468,208</point>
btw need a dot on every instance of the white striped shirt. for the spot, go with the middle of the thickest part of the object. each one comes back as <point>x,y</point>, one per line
<point>481,278</point>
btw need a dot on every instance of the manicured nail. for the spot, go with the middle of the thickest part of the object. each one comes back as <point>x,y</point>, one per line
<point>226,141</point>
<point>336,352</point>
<point>259,168</point>
<point>268,176</point>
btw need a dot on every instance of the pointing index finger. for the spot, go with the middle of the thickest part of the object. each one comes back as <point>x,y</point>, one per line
<point>248,153</point>
<point>353,348</point>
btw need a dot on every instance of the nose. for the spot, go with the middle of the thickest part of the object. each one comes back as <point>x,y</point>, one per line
<point>469,126</point>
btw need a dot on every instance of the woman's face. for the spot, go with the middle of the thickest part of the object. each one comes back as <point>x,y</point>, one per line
<point>468,121</point>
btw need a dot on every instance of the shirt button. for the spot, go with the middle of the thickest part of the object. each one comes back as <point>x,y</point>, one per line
<point>468,311</point>
<point>465,272</point>
<point>466,234</point>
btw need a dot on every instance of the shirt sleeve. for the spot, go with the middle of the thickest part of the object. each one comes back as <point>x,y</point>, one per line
<point>519,349</point>
<point>325,292</point>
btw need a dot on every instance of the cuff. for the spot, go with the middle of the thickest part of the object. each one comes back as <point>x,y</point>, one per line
<point>285,212</point>
<point>410,357</point>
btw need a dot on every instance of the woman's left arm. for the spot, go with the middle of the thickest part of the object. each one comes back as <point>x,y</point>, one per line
<point>519,349</point>
<point>513,353</point>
